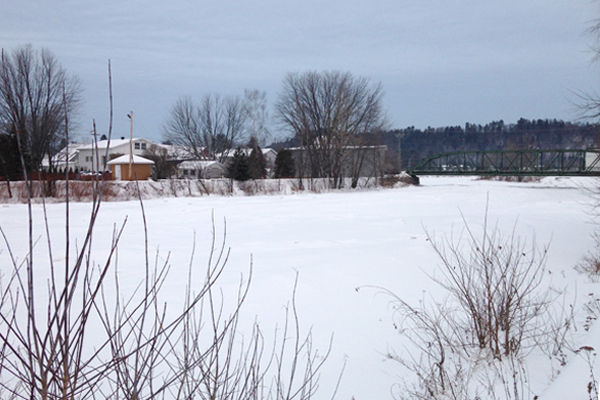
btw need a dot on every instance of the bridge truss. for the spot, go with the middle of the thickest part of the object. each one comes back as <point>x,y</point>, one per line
<point>512,163</point>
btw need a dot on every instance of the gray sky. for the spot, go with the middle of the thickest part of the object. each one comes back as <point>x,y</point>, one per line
<point>439,62</point>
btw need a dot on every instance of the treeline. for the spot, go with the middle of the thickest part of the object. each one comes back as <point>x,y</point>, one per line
<point>416,144</point>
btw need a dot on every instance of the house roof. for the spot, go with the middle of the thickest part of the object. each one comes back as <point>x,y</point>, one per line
<point>124,159</point>
<point>60,157</point>
<point>198,164</point>
<point>102,144</point>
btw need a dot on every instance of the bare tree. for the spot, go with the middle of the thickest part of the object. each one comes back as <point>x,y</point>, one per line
<point>256,107</point>
<point>183,127</point>
<point>32,103</point>
<point>232,129</point>
<point>589,101</point>
<point>208,130</point>
<point>160,155</point>
<point>326,111</point>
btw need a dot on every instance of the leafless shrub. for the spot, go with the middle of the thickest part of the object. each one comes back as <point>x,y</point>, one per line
<point>202,188</point>
<point>496,286</point>
<point>509,380</point>
<point>80,191</point>
<point>590,263</point>
<point>259,186</point>
<point>592,387</point>
<point>34,189</point>
<point>592,310</point>
<point>272,186</point>
<point>389,181</point>
<point>249,187</point>
<point>495,311</point>
<point>435,363</point>
<point>398,180</point>
<point>5,191</point>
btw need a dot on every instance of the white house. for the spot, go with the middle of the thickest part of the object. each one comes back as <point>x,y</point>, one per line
<point>87,153</point>
<point>270,156</point>
<point>64,159</point>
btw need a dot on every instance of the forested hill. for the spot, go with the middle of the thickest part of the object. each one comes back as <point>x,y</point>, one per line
<point>525,134</point>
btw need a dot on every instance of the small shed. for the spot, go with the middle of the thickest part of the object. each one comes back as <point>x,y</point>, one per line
<point>201,169</point>
<point>141,168</point>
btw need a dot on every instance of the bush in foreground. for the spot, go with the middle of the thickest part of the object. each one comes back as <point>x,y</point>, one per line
<point>472,343</point>
<point>82,337</point>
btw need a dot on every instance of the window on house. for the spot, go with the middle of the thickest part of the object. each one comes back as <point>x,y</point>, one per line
<point>137,146</point>
<point>143,146</point>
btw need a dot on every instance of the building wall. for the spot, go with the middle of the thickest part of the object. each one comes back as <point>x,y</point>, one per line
<point>87,160</point>
<point>142,171</point>
<point>210,170</point>
<point>365,161</point>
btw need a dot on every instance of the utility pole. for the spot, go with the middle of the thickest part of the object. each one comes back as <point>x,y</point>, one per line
<point>130,115</point>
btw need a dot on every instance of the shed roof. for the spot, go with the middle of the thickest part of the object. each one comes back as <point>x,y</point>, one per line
<point>124,159</point>
<point>198,164</point>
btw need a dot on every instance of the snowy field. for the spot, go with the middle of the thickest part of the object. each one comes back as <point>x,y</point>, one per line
<point>343,245</point>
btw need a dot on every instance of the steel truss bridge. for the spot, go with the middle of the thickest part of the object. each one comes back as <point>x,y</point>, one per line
<point>512,163</point>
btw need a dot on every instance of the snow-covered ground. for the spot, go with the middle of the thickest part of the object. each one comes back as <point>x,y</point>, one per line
<point>343,245</point>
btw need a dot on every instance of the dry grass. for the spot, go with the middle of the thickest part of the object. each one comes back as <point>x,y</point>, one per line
<point>79,191</point>
<point>84,191</point>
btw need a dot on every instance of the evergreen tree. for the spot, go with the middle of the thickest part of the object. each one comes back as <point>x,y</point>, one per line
<point>284,164</point>
<point>256,161</point>
<point>10,162</point>
<point>239,167</point>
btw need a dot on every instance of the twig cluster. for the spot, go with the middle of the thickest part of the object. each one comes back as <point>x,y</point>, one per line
<point>472,343</point>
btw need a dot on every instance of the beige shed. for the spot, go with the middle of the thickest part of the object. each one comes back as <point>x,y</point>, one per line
<point>141,168</point>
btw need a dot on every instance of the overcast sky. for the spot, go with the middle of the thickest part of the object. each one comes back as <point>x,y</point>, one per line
<point>440,62</point>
